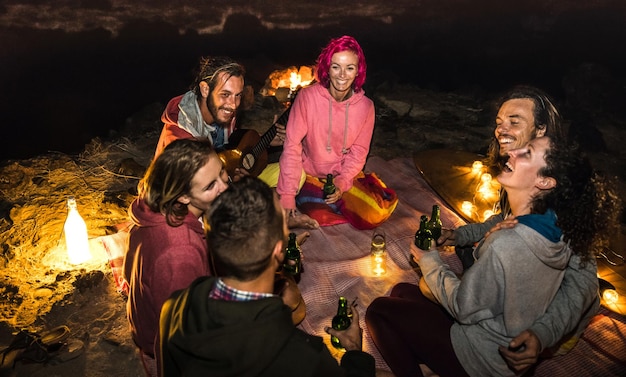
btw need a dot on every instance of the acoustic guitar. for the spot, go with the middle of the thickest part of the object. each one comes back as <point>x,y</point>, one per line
<point>250,152</point>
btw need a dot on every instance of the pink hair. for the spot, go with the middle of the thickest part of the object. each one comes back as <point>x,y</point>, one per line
<point>345,43</point>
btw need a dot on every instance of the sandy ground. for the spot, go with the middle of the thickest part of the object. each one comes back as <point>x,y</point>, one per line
<point>41,290</point>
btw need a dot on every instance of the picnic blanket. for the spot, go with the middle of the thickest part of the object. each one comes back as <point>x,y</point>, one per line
<point>337,263</point>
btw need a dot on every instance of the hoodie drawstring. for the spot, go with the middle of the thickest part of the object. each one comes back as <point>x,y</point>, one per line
<point>345,131</point>
<point>330,124</point>
<point>344,150</point>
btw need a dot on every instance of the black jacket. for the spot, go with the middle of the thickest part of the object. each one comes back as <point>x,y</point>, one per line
<point>204,337</point>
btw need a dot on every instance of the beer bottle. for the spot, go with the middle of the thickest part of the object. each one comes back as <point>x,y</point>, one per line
<point>293,261</point>
<point>340,322</point>
<point>423,236</point>
<point>434,224</point>
<point>329,186</point>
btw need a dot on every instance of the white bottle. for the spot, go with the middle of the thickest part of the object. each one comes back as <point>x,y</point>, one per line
<point>76,239</point>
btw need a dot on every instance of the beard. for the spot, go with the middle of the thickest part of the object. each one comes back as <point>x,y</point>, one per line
<point>214,111</point>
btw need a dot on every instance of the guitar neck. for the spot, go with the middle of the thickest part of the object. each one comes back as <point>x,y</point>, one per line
<point>269,135</point>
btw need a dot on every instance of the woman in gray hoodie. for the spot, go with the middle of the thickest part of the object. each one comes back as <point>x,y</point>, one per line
<point>560,205</point>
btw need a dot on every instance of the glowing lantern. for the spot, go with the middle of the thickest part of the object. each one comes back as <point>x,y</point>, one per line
<point>378,253</point>
<point>485,191</point>
<point>485,188</point>
<point>610,296</point>
<point>608,292</point>
<point>467,208</point>
<point>477,167</point>
<point>76,239</point>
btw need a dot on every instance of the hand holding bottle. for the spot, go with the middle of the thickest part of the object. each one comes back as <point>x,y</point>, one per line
<point>351,338</point>
<point>287,289</point>
<point>447,237</point>
<point>292,264</point>
<point>334,197</point>
<point>332,193</point>
<point>417,253</point>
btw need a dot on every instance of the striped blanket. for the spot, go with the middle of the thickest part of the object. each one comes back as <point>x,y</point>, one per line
<point>368,204</point>
<point>337,263</point>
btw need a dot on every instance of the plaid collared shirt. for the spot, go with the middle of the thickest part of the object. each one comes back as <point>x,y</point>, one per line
<point>221,291</point>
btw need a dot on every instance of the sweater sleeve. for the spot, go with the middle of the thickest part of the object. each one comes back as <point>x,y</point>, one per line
<point>575,303</point>
<point>354,160</point>
<point>468,234</point>
<point>291,157</point>
<point>469,300</point>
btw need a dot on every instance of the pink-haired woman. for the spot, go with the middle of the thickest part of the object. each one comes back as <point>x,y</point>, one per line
<point>329,129</point>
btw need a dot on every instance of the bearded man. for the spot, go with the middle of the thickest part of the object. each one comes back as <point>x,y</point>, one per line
<point>208,109</point>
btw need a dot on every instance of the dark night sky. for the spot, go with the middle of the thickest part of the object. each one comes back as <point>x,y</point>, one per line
<point>76,69</point>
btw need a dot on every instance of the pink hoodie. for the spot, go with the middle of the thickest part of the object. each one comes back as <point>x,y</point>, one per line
<point>324,137</point>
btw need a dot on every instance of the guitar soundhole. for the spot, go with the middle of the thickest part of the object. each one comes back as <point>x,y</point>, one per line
<point>248,161</point>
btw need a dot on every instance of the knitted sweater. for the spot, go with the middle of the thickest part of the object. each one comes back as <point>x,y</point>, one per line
<point>515,278</point>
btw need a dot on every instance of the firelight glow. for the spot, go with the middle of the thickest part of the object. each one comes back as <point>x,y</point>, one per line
<point>294,80</point>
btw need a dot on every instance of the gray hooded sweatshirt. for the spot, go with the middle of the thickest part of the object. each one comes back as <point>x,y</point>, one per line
<point>515,278</point>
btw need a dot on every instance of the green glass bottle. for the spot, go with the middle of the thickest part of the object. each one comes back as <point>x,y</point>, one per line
<point>423,236</point>
<point>293,259</point>
<point>434,224</point>
<point>329,186</point>
<point>340,322</point>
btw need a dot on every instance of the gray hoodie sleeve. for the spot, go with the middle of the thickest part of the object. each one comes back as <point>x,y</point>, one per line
<point>470,233</point>
<point>472,300</point>
<point>575,303</point>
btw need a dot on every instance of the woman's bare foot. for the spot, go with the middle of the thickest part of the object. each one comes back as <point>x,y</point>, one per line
<point>302,237</point>
<point>300,220</point>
